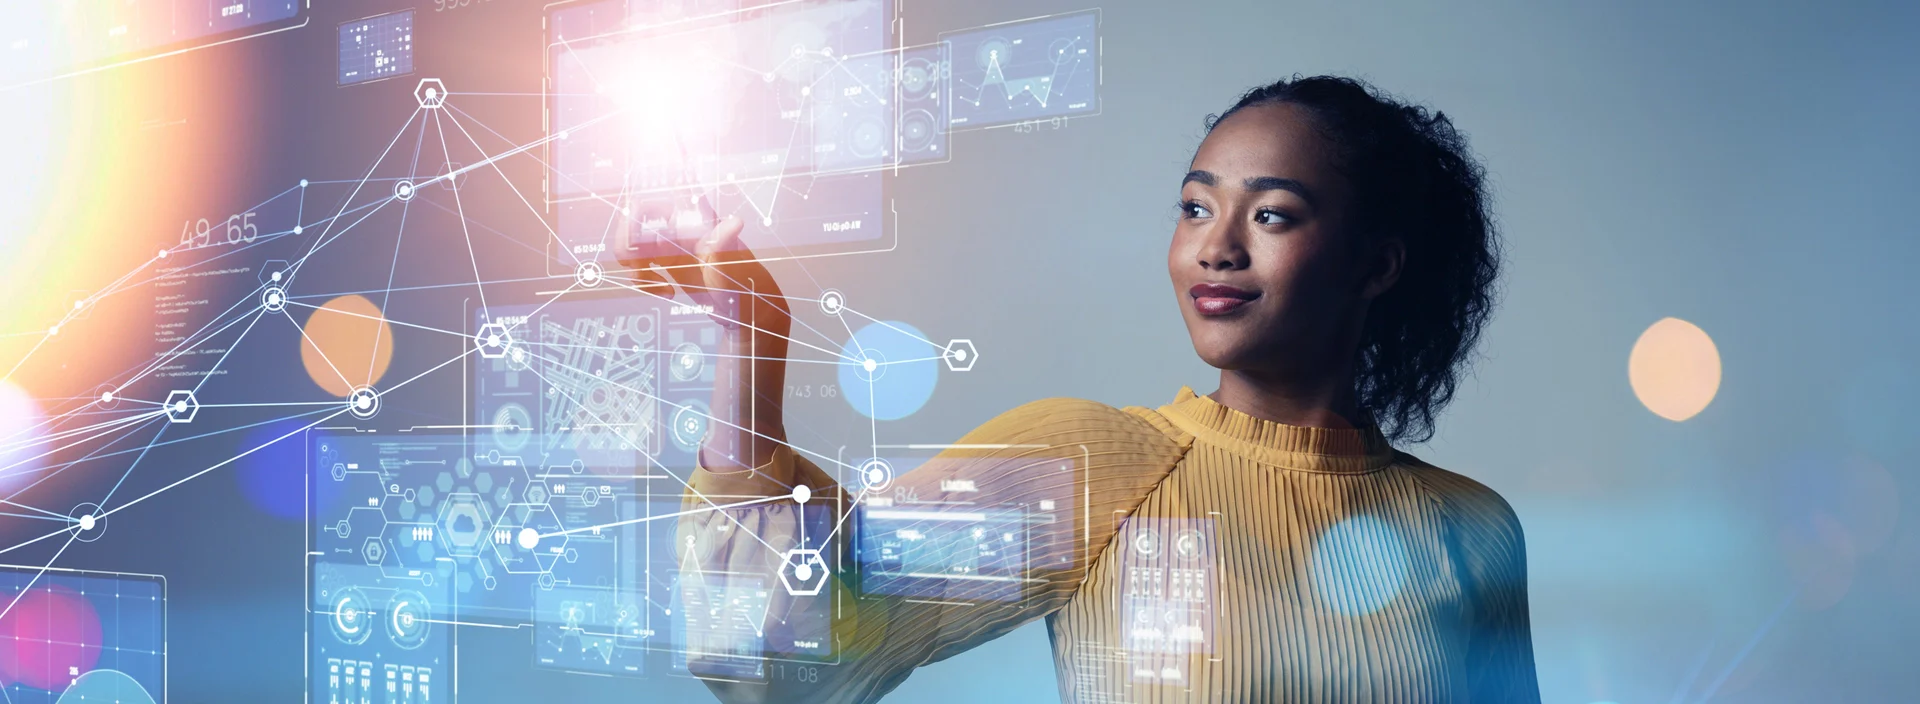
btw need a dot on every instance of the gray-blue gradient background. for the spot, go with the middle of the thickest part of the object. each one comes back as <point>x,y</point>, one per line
<point>1750,167</point>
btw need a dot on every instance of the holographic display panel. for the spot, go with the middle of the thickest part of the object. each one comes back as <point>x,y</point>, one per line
<point>1034,69</point>
<point>938,539</point>
<point>376,48</point>
<point>781,115</point>
<point>72,636</point>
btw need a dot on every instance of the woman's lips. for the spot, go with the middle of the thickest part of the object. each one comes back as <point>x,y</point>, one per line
<point>1219,299</point>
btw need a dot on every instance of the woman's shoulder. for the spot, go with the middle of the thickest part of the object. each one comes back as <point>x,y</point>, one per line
<point>1464,499</point>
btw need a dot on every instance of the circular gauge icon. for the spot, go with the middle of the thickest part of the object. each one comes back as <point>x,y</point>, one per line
<point>687,362</point>
<point>869,139</point>
<point>1147,542</point>
<point>512,426</point>
<point>408,620</point>
<point>352,616</point>
<point>916,130</point>
<point>994,54</point>
<point>916,79</point>
<point>690,426</point>
<point>1190,544</point>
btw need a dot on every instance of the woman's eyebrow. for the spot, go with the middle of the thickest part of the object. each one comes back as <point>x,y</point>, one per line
<point>1204,178</point>
<point>1275,183</point>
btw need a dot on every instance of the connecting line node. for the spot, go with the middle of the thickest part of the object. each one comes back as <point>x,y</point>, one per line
<point>88,522</point>
<point>274,299</point>
<point>182,407</point>
<point>363,403</point>
<point>832,302</point>
<point>589,274</point>
<point>431,93</point>
<point>493,340</point>
<point>403,190</point>
<point>960,355</point>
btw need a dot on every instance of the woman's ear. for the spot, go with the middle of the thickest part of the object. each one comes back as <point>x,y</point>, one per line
<point>1384,268</point>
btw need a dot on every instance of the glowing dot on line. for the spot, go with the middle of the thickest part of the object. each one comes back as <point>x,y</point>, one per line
<point>529,538</point>
<point>767,221</point>
<point>563,134</point>
<point>79,304</point>
<point>303,183</point>
<point>87,522</point>
<point>804,571</point>
<point>959,355</point>
<point>801,493</point>
<point>179,406</point>
<point>106,397</point>
<point>276,276</point>
<point>298,229</point>
<point>55,330</point>
<point>163,254</point>
<point>870,365</point>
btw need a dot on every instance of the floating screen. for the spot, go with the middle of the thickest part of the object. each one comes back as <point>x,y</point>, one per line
<point>71,636</point>
<point>1028,70</point>
<point>376,47</point>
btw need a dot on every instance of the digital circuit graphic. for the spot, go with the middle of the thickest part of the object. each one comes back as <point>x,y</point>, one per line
<point>521,461</point>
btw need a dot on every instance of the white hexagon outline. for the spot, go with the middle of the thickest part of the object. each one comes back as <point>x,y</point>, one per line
<point>193,406</point>
<point>806,555</point>
<point>420,93</point>
<point>506,340</point>
<point>972,355</point>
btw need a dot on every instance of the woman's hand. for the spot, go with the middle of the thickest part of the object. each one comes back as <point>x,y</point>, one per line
<point>751,365</point>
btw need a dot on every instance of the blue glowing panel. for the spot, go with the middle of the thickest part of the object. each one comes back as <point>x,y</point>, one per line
<point>72,636</point>
<point>781,116</point>
<point>617,383</point>
<point>1029,70</point>
<point>376,47</point>
<point>474,531</point>
<point>930,535</point>
<point>376,635</point>
<point>592,629</point>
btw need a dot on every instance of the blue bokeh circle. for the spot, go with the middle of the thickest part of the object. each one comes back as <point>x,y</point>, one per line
<point>906,369</point>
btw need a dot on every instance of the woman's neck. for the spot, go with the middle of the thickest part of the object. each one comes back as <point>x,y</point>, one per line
<point>1326,401</point>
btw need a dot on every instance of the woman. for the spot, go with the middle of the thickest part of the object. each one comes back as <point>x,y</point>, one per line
<point>1334,258</point>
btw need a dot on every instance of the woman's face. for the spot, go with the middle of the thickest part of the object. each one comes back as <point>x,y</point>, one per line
<point>1268,275</point>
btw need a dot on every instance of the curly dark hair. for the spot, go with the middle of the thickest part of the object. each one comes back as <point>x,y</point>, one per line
<point>1414,179</point>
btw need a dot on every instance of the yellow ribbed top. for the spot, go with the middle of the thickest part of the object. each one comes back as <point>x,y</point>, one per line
<point>1209,556</point>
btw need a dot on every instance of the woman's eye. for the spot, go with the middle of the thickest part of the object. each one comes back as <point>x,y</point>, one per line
<point>1271,217</point>
<point>1191,209</point>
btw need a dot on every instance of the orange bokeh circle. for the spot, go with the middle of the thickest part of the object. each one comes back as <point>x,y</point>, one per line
<point>346,344</point>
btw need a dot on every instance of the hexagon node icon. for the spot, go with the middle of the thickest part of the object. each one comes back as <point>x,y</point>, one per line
<point>182,407</point>
<point>493,340</point>
<point>463,524</point>
<point>803,573</point>
<point>960,355</point>
<point>273,272</point>
<point>374,551</point>
<point>431,93</point>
